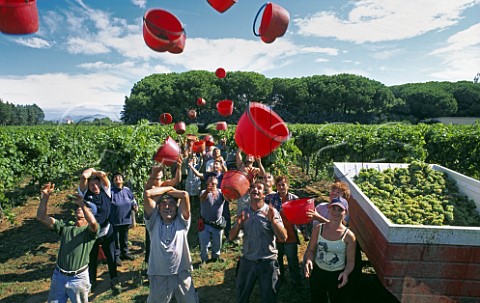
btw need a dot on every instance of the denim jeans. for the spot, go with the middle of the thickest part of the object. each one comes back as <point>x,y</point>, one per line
<point>75,288</point>
<point>265,271</point>
<point>215,236</point>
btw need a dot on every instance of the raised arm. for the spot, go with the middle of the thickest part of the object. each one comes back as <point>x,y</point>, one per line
<point>42,216</point>
<point>91,172</point>
<point>261,173</point>
<point>239,160</point>
<point>194,170</point>
<point>178,175</point>
<point>149,195</point>
<point>87,213</point>
<point>184,206</point>
<point>278,228</point>
<point>241,218</point>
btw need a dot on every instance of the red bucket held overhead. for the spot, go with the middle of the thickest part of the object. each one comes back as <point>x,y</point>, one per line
<point>220,73</point>
<point>166,118</point>
<point>168,153</point>
<point>235,184</point>
<point>274,23</point>
<point>225,107</point>
<point>180,127</point>
<point>296,210</point>
<point>162,31</point>
<point>260,130</point>
<point>18,17</point>
<point>221,5</point>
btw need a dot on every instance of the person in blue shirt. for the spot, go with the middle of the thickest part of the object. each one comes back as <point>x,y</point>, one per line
<point>123,202</point>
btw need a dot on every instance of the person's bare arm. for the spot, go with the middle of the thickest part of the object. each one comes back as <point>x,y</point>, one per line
<point>92,222</point>
<point>261,172</point>
<point>195,171</point>
<point>239,160</point>
<point>149,196</point>
<point>350,241</point>
<point>311,251</point>
<point>241,218</point>
<point>89,172</point>
<point>42,216</point>
<point>278,229</point>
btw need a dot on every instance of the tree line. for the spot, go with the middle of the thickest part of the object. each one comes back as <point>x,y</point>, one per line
<point>312,99</point>
<point>11,114</point>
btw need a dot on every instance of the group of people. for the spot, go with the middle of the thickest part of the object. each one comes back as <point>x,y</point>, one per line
<point>103,217</point>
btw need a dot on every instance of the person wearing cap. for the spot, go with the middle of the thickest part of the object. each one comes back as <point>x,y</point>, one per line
<point>262,225</point>
<point>96,188</point>
<point>168,219</point>
<point>123,203</point>
<point>330,256</point>
<point>70,278</point>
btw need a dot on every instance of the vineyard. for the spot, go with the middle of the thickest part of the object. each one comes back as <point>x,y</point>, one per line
<point>33,155</point>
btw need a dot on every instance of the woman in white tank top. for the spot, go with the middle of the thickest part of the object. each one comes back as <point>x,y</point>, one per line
<point>330,256</point>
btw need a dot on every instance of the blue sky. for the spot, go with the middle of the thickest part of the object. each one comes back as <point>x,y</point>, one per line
<point>88,54</point>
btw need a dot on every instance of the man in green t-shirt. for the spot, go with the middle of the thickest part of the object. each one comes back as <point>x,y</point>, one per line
<point>70,279</point>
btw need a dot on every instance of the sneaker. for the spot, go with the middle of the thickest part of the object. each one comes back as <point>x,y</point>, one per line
<point>127,257</point>
<point>115,285</point>
<point>118,261</point>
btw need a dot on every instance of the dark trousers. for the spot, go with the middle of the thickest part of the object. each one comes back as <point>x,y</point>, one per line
<point>291,251</point>
<point>266,272</point>
<point>108,246</point>
<point>121,239</point>
<point>147,245</point>
<point>323,282</point>
<point>226,214</point>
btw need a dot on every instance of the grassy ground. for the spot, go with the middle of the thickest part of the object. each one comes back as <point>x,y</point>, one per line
<point>28,253</point>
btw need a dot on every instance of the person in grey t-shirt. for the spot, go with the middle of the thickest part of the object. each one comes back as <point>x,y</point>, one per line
<point>167,218</point>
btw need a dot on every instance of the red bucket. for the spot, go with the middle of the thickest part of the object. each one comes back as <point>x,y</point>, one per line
<point>192,114</point>
<point>235,184</point>
<point>18,17</point>
<point>220,73</point>
<point>296,210</point>
<point>198,146</point>
<point>162,31</point>
<point>260,130</point>
<point>166,118</point>
<point>222,125</point>
<point>201,102</point>
<point>225,107</point>
<point>179,127</point>
<point>168,153</point>
<point>178,46</point>
<point>221,5</point>
<point>274,23</point>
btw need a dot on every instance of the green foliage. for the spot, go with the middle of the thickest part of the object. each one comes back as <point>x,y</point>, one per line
<point>417,195</point>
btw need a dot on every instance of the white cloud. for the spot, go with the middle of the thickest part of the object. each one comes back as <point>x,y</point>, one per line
<point>140,3</point>
<point>86,47</point>
<point>94,92</point>
<point>322,50</point>
<point>34,42</point>
<point>460,59</point>
<point>385,20</point>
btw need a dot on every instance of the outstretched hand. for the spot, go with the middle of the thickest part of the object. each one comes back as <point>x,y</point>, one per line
<point>47,189</point>
<point>78,199</point>
<point>242,217</point>
<point>270,213</point>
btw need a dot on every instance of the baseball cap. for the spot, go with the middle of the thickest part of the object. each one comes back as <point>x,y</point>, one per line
<point>340,202</point>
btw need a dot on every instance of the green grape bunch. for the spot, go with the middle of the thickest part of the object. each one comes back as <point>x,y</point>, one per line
<point>417,195</point>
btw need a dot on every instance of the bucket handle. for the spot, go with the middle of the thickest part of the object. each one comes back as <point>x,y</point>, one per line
<point>274,138</point>
<point>256,17</point>
<point>164,32</point>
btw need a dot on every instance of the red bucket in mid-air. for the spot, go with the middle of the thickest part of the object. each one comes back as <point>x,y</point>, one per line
<point>198,146</point>
<point>18,17</point>
<point>180,127</point>
<point>166,118</point>
<point>162,31</point>
<point>168,153</point>
<point>274,23</point>
<point>260,130</point>
<point>221,5</point>
<point>225,107</point>
<point>222,125</point>
<point>235,184</point>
